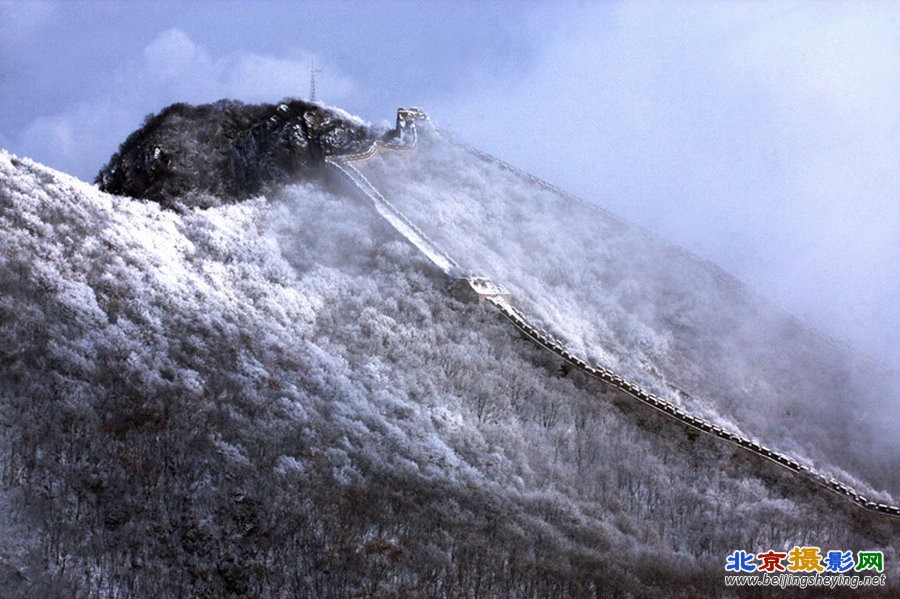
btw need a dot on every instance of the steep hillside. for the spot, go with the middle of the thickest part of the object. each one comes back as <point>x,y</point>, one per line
<point>279,397</point>
<point>661,317</point>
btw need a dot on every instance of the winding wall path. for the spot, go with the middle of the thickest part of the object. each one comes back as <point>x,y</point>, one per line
<point>345,166</point>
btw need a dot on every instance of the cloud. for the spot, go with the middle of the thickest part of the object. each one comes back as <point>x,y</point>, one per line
<point>80,140</point>
<point>172,68</point>
<point>20,21</point>
<point>175,62</point>
<point>173,55</point>
<point>55,133</point>
<point>764,137</point>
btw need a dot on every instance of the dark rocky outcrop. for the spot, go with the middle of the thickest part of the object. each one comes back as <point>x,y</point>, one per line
<point>226,151</point>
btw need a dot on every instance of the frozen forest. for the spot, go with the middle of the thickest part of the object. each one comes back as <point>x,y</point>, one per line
<point>277,396</point>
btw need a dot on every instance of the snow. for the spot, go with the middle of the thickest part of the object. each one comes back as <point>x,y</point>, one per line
<point>344,115</point>
<point>297,351</point>
<point>485,286</point>
<point>627,301</point>
<point>396,218</point>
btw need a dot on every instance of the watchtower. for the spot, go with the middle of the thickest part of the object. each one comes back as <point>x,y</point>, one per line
<point>407,118</point>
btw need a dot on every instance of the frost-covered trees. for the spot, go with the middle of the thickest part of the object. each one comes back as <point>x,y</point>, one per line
<point>204,155</point>
<point>658,316</point>
<point>278,398</point>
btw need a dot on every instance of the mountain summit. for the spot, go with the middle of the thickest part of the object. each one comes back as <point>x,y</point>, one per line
<point>202,155</point>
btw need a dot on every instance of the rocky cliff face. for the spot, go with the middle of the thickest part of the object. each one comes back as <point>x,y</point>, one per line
<point>214,153</point>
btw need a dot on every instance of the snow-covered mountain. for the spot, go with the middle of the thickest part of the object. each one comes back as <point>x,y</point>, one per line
<point>279,397</point>
<point>663,318</point>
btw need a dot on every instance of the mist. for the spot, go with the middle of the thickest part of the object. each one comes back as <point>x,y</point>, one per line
<point>286,377</point>
<point>763,137</point>
<point>210,394</point>
<point>631,302</point>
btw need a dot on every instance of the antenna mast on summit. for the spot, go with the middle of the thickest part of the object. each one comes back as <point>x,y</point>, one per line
<point>312,82</point>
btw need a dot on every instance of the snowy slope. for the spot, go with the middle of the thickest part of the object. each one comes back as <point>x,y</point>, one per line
<point>278,398</point>
<point>654,313</point>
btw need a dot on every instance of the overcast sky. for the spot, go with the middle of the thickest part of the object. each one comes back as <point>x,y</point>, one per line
<point>764,137</point>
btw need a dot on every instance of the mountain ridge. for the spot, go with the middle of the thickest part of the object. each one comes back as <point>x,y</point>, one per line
<point>285,377</point>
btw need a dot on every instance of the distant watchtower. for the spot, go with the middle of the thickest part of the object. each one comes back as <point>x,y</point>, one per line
<point>407,118</point>
<point>313,71</point>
